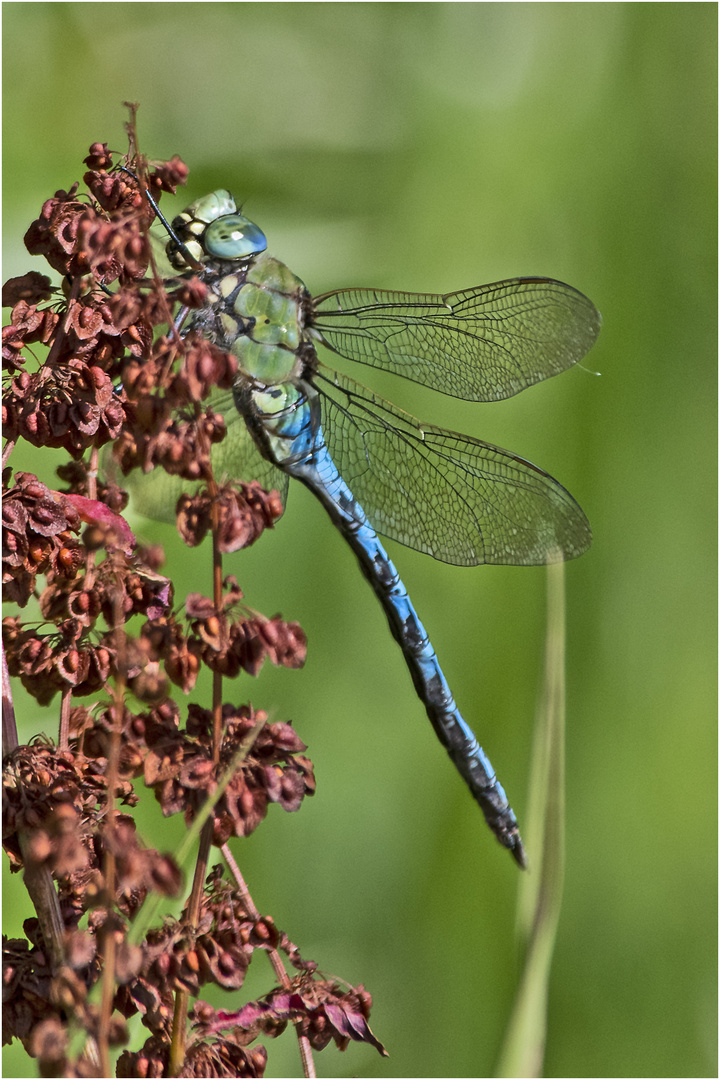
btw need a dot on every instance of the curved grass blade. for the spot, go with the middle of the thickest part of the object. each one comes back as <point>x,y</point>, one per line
<point>541,889</point>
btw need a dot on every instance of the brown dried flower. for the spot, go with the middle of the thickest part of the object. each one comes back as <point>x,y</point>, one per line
<point>97,359</point>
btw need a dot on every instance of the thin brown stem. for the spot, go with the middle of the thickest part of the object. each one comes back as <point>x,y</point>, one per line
<point>177,1048</point>
<point>64,732</point>
<point>9,724</point>
<point>41,890</point>
<point>179,1030</point>
<point>7,451</point>
<point>92,473</point>
<point>161,292</point>
<point>38,879</point>
<point>60,329</point>
<point>179,1033</point>
<point>108,985</point>
<point>308,1062</point>
<point>111,778</point>
<point>217,576</point>
<point>249,905</point>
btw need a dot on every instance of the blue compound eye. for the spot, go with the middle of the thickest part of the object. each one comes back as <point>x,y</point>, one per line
<point>233,237</point>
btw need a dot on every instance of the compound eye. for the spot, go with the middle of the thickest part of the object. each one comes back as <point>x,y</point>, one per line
<point>233,237</point>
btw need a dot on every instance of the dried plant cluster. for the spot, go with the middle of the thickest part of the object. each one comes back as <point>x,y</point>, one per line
<point>109,640</point>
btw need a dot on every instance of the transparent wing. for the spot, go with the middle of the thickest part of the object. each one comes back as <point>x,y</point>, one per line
<point>480,344</point>
<point>454,497</point>
<point>237,457</point>
<point>155,494</point>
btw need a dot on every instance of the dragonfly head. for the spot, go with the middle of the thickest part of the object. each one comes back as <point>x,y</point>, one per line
<point>212,228</point>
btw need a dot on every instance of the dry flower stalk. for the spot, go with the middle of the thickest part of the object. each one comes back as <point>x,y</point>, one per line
<point>116,370</point>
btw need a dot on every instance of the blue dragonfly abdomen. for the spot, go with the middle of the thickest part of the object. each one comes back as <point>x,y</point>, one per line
<point>375,468</point>
<point>306,458</point>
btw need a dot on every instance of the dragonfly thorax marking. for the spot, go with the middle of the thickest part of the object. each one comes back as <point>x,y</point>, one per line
<point>256,313</point>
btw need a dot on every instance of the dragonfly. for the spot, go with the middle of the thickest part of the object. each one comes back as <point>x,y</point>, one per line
<point>376,469</point>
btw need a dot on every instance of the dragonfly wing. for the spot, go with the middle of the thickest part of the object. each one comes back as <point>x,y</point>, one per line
<point>481,344</point>
<point>155,494</point>
<point>237,456</point>
<point>454,497</point>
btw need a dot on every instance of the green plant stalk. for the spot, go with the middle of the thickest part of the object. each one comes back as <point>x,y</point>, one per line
<point>541,889</point>
<point>147,912</point>
<point>149,909</point>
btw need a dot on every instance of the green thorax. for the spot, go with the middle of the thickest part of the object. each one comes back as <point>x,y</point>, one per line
<point>256,306</point>
<point>256,312</point>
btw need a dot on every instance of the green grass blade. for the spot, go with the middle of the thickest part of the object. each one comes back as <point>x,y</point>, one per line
<point>541,888</point>
<point>154,900</point>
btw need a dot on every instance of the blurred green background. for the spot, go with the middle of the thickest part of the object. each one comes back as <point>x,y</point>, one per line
<point>433,147</point>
